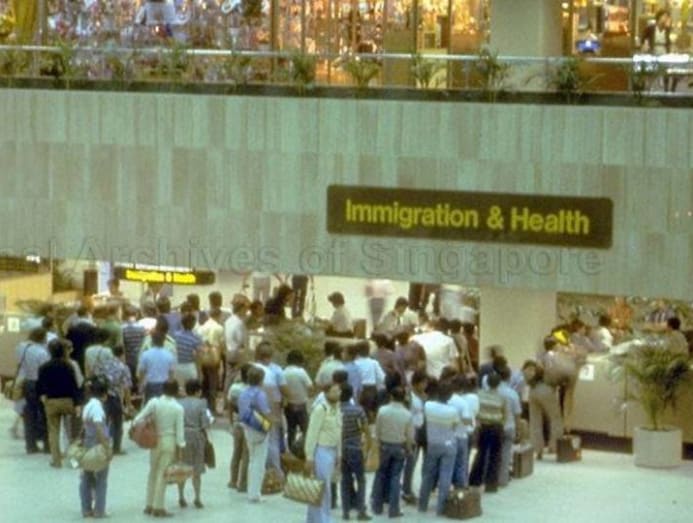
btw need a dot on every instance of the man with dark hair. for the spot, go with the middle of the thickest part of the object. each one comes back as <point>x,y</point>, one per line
<point>236,335</point>
<point>81,334</point>
<point>59,393</point>
<point>31,354</point>
<point>513,411</point>
<point>299,388</point>
<point>133,336</point>
<point>675,340</point>
<point>417,397</point>
<point>354,430</point>
<point>397,317</point>
<point>163,305</point>
<point>188,346</point>
<point>441,447</point>
<point>212,334</point>
<point>372,379</point>
<point>394,433</point>
<point>440,348</point>
<point>492,412</point>
<point>331,363</point>
<point>97,351</point>
<point>157,365</point>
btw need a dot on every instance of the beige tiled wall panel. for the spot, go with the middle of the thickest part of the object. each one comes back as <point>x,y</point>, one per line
<point>235,182</point>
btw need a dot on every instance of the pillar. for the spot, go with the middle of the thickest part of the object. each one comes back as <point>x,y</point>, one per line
<point>526,28</point>
<point>516,319</point>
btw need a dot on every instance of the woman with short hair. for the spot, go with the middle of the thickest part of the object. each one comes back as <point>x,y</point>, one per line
<point>197,419</point>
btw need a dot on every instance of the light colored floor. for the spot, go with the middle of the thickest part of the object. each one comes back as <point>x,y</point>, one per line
<point>603,488</point>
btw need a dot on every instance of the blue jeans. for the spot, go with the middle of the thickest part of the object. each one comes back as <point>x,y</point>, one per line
<point>387,478</point>
<point>152,390</point>
<point>409,466</point>
<point>460,476</point>
<point>325,461</point>
<point>487,461</point>
<point>353,471</point>
<point>506,456</point>
<point>439,464</point>
<point>92,492</point>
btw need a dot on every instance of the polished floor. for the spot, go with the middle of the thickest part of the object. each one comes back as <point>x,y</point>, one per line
<point>603,488</point>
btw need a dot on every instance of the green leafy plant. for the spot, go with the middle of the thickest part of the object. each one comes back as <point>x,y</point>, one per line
<point>654,377</point>
<point>175,61</point>
<point>13,63</point>
<point>237,68</point>
<point>291,335</point>
<point>568,79</point>
<point>303,68</point>
<point>425,71</point>
<point>642,77</point>
<point>361,71</point>
<point>493,74</point>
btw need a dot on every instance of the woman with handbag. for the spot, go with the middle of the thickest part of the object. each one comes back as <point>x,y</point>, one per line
<point>93,484</point>
<point>323,441</point>
<point>168,418</point>
<point>196,420</point>
<point>254,409</point>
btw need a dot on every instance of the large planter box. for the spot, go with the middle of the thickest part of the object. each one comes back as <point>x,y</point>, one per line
<point>657,448</point>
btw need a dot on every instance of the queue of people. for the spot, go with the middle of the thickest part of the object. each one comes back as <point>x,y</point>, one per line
<point>413,392</point>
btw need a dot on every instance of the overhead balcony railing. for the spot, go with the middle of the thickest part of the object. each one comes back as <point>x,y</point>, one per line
<point>484,77</point>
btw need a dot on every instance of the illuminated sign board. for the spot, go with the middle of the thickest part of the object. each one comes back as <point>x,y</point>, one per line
<point>178,277</point>
<point>562,221</point>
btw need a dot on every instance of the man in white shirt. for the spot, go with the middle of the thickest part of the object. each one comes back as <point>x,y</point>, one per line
<point>341,323</point>
<point>398,318</point>
<point>299,387</point>
<point>212,333</point>
<point>440,350</point>
<point>513,411</point>
<point>460,477</point>
<point>236,337</point>
<point>601,337</point>
<point>331,363</point>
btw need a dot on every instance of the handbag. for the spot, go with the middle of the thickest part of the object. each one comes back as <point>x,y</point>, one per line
<point>177,473</point>
<point>144,433</point>
<point>210,454</point>
<point>272,482</point>
<point>95,458</point>
<point>304,489</point>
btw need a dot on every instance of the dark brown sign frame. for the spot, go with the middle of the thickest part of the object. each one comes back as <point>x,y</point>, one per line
<point>560,221</point>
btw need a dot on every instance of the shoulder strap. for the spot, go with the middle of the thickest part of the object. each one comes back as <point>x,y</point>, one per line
<point>21,361</point>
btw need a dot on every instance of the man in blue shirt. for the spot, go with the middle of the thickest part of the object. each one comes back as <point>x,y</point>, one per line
<point>513,411</point>
<point>157,366</point>
<point>439,460</point>
<point>188,346</point>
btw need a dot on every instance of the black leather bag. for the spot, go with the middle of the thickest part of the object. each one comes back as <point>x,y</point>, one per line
<point>210,454</point>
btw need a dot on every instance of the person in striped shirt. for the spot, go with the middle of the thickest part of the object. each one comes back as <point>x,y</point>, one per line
<point>188,344</point>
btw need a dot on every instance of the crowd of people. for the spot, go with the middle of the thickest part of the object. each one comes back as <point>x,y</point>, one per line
<point>415,390</point>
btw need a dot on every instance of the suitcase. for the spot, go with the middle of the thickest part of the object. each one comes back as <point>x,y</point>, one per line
<point>568,449</point>
<point>463,504</point>
<point>523,461</point>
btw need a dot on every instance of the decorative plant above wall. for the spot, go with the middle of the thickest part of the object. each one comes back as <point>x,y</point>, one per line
<point>425,71</point>
<point>569,81</point>
<point>655,377</point>
<point>362,71</point>
<point>494,74</point>
<point>303,71</point>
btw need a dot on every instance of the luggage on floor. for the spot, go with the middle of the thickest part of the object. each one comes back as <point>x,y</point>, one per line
<point>463,504</point>
<point>568,449</point>
<point>523,461</point>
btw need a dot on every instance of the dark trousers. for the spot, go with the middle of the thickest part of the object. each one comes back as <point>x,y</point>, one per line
<point>387,479</point>
<point>299,284</point>
<point>34,418</point>
<point>114,414</point>
<point>152,390</point>
<point>353,471</point>
<point>296,417</point>
<point>210,384</point>
<point>488,458</point>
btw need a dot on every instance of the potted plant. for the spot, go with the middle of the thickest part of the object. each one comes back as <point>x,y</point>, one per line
<point>654,377</point>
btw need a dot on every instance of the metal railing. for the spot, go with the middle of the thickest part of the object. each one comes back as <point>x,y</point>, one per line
<point>641,74</point>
